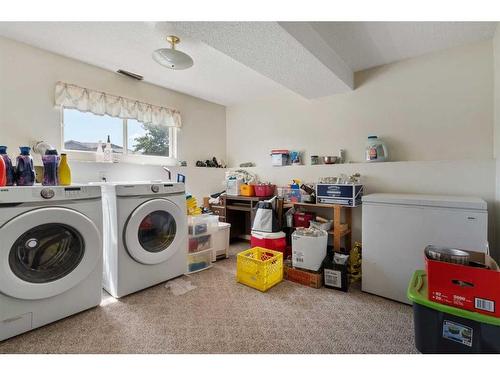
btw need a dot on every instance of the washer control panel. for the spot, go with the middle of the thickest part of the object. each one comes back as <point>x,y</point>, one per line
<point>47,193</point>
<point>155,188</point>
<point>39,193</point>
<point>73,192</point>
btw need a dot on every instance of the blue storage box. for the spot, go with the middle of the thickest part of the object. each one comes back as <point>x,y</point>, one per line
<point>342,194</point>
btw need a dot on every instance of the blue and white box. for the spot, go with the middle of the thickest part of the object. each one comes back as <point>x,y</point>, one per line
<point>341,194</point>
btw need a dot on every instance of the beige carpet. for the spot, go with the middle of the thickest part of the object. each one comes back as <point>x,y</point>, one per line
<point>222,316</point>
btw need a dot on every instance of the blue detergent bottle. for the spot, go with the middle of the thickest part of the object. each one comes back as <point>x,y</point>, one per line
<point>50,168</point>
<point>25,172</point>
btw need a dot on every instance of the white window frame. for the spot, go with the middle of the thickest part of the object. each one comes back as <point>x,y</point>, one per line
<point>125,156</point>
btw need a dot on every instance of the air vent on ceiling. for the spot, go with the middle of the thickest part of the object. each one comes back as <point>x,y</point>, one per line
<point>130,75</point>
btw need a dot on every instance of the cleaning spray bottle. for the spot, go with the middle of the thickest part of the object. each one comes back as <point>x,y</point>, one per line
<point>108,152</point>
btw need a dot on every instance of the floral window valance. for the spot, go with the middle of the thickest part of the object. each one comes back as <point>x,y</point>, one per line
<point>101,103</point>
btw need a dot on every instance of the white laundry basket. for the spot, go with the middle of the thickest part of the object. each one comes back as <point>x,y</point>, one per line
<point>220,241</point>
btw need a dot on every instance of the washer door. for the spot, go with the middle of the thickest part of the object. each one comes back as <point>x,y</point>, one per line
<point>154,231</point>
<point>46,252</point>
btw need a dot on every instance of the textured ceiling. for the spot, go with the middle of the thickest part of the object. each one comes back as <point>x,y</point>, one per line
<point>237,62</point>
<point>363,45</point>
<point>271,50</point>
<point>128,45</point>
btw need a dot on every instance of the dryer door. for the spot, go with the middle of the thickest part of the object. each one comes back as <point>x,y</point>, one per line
<point>46,252</point>
<point>154,231</point>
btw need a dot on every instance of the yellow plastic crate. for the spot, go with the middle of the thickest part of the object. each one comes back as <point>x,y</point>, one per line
<point>259,268</point>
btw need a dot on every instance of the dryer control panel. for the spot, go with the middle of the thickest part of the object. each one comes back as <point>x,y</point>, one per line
<point>148,189</point>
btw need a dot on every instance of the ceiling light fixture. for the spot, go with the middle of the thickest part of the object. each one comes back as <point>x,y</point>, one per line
<point>172,58</point>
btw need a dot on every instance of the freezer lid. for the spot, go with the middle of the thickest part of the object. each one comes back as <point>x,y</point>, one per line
<point>446,201</point>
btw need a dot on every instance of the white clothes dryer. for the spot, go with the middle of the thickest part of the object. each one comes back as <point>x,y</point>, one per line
<point>145,235</point>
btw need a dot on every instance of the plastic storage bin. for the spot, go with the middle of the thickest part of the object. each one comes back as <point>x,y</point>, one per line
<point>199,261</point>
<point>443,329</point>
<point>264,190</point>
<point>202,224</point>
<point>303,219</point>
<point>199,243</point>
<point>289,195</point>
<point>259,268</point>
<point>247,190</point>
<point>220,241</point>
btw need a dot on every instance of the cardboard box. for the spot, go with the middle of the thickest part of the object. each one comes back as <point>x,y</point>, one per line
<point>304,277</point>
<point>470,288</point>
<point>342,194</point>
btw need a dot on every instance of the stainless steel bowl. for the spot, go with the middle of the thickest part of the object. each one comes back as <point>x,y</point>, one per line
<point>330,159</point>
<point>446,254</point>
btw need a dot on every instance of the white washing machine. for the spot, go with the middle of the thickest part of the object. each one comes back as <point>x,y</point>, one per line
<point>50,254</point>
<point>145,236</point>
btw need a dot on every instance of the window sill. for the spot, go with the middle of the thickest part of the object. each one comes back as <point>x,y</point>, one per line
<point>85,156</point>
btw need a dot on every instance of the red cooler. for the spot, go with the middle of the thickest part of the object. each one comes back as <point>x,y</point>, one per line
<point>272,241</point>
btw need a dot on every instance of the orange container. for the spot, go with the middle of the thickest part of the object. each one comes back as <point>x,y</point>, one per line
<point>247,190</point>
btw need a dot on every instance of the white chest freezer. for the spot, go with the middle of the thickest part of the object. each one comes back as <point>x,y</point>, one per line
<point>397,227</point>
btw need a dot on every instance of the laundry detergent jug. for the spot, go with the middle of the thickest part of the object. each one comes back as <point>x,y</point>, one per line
<point>10,178</point>
<point>25,172</point>
<point>376,150</point>
<point>3,174</point>
<point>50,168</point>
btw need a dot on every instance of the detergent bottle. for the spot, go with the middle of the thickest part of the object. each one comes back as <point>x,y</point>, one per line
<point>376,150</point>
<point>64,171</point>
<point>50,168</point>
<point>25,172</point>
<point>9,169</point>
<point>3,173</point>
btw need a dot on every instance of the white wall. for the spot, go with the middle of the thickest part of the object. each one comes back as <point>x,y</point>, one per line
<point>434,111</point>
<point>435,107</point>
<point>27,112</point>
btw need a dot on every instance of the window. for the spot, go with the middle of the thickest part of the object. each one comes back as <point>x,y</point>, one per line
<point>82,132</point>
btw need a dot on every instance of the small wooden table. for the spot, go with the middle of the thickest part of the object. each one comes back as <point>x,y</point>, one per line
<point>340,229</point>
<point>239,211</point>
